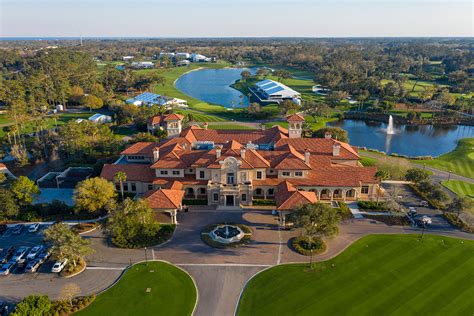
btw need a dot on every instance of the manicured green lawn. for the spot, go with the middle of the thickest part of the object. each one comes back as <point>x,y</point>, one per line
<point>230,126</point>
<point>459,187</point>
<point>321,122</point>
<point>368,161</point>
<point>460,161</point>
<point>377,275</point>
<point>172,292</point>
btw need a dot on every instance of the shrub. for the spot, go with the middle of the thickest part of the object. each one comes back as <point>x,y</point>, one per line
<point>372,205</point>
<point>422,190</point>
<point>302,245</point>
<point>147,235</point>
<point>344,211</point>
<point>195,202</point>
<point>261,202</point>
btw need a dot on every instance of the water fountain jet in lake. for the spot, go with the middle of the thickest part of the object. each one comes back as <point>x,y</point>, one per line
<point>390,129</point>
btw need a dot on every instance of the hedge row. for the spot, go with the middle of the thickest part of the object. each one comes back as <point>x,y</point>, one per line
<point>261,202</point>
<point>454,220</point>
<point>425,197</point>
<point>195,202</point>
<point>372,205</point>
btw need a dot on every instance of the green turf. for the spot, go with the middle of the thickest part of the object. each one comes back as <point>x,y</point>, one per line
<point>460,188</point>
<point>368,161</point>
<point>377,275</point>
<point>320,123</point>
<point>4,119</point>
<point>460,161</point>
<point>172,293</point>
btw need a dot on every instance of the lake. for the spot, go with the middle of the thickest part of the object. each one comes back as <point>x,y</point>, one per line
<point>213,86</point>
<point>421,140</point>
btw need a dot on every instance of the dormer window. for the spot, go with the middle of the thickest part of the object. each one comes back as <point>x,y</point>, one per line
<point>259,175</point>
<point>285,173</point>
<point>298,173</point>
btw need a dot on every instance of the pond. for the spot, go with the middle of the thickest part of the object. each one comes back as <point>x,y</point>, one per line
<point>213,86</point>
<point>421,140</point>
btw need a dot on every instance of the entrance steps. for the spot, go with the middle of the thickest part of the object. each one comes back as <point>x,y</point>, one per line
<point>228,208</point>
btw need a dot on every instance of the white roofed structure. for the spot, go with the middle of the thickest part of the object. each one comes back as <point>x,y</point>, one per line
<point>272,91</point>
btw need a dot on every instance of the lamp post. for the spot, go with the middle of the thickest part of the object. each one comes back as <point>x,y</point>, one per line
<point>449,175</point>
<point>311,259</point>
<point>146,257</point>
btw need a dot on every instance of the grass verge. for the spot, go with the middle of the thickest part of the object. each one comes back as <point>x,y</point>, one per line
<point>377,275</point>
<point>171,292</point>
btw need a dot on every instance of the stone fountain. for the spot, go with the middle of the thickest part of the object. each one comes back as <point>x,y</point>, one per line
<point>227,234</point>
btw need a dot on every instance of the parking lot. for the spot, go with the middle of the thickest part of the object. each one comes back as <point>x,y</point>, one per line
<point>408,199</point>
<point>29,240</point>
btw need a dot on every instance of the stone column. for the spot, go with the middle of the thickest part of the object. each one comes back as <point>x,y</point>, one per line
<point>331,195</point>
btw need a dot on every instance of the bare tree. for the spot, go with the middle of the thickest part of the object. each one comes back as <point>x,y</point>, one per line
<point>69,291</point>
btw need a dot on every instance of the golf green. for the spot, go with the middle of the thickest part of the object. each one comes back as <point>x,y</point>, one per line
<point>377,275</point>
<point>158,288</point>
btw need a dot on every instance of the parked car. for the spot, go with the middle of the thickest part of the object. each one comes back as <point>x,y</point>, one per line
<point>5,254</point>
<point>3,309</point>
<point>7,268</point>
<point>19,254</point>
<point>32,266</point>
<point>424,203</point>
<point>59,265</point>
<point>412,211</point>
<point>17,229</point>
<point>34,252</point>
<point>44,255</point>
<point>33,228</point>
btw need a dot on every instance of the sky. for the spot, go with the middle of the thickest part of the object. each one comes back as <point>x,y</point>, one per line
<point>236,18</point>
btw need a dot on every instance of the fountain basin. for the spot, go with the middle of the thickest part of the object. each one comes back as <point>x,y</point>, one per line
<point>227,234</point>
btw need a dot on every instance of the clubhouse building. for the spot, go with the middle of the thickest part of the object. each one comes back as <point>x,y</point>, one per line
<point>236,168</point>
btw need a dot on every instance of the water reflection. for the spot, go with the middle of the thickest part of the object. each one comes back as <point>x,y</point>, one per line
<point>419,140</point>
<point>213,86</point>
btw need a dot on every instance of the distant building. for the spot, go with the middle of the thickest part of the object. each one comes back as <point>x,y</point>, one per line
<point>183,55</point>
<point>169,55</point>
<point>149,99</point>
<point>127,58</point>
<point>142,65</point>
<point>171,123</point>
<point>198,58</point>
<point>272,91</point>
<point>100,118</point>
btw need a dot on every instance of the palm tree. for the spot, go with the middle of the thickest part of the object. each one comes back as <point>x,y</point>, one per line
<point>120,177</point>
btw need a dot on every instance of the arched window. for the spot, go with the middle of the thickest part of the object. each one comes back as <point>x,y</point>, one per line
<point>258,191</point>
<point>189,191</point>
<point>350,193</point>
<point>271,191</point>
<point>202,191</point>
<point>337,193</point>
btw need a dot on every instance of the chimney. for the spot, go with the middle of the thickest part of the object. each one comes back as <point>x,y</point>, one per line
<point>156,154</point>
<point>205,125</point>
<point>306,156</point>
<point>336,148</point>
<point>218,152</point>
<point>184,145</point>
<point>328,135</point>
<point>242,152</point>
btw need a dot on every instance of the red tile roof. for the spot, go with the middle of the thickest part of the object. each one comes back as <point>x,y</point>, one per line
<point>2,166</point>
<point>173,117</point>
<point>134,172</point>
<point>295,118</point>
<point>289,198</point>
<point>164,199</point>
<point>141,148</point>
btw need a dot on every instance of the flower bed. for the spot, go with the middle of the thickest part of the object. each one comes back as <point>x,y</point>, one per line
<point>262,202</point>
<point>372,206</point>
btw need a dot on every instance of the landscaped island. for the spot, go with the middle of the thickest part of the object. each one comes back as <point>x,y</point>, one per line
<point>377,275</point>
<point>153,288</point>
